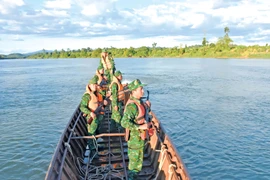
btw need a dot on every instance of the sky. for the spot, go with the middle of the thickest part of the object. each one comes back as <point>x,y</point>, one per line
<point>32,25</point>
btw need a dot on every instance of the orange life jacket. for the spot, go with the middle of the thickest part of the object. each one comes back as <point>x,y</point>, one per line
<point>120,94</point>
<point>140,119</point>
<point>100,79</point>
<point>106,63</point>
<point>95,100</point>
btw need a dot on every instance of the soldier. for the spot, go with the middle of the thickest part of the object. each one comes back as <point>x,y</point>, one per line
<point>117,98</point>
<point>91,107</point>
<point>107,62</point>
<point>102,81</point>
<point>136,127</point>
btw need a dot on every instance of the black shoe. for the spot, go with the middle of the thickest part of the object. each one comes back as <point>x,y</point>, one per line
<point>101,148</point>
<point>94,154</point>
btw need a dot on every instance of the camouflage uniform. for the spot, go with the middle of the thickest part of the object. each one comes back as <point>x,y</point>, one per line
<point>103,82</point>
<point>83,107</point>
<point>116,115</point>
<point>109,72</point>
<point>135,143</point>
<point>93,127</point>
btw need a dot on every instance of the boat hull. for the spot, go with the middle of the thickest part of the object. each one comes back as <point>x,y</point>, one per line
<point>74,160</point>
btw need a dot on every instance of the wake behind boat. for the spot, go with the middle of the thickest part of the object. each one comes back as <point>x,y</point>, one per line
<point>75,161</point>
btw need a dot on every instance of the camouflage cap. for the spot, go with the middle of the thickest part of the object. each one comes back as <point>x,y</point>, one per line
<point>104,50</point>
<point>100,67</point>
<point>93,80</point>
<point>135,84</point>
<point>117,73</point>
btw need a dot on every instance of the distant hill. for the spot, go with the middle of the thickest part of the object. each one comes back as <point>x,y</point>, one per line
<point>36,52</point>
<point>13,56</point>
<point>20,55</point>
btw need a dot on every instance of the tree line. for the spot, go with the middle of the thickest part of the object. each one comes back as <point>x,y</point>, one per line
<point>223,48</point>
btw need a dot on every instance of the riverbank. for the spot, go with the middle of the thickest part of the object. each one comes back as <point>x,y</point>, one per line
<point>198,51</point>
<point>208,51</point>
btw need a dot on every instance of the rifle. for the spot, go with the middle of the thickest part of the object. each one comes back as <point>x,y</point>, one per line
<point>103,83</point>
<point>97,111</point>
<point>148,117</point>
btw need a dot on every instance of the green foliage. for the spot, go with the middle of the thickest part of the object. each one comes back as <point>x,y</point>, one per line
<point>154,45</point>
<point>204,42</point>
<point>226,30</point>
<point>223,48</point>
<point>219,50</point>
<point>13,56</point>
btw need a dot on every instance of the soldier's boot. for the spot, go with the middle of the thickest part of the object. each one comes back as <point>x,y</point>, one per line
<point>100,145</point>
<point>113,125</point>
<point>90,142</point>
<point>92,148</point>
<point>120,128</point>
<point>132,175</point>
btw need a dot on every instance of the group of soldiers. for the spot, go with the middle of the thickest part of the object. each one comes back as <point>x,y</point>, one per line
<point>105,89</point>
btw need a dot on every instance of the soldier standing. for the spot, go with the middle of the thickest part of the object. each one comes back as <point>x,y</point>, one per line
<point>91,105</point>
<point>117,98</point>
<point>107,62</point>
<point>101,81</point>
<point>136,127</point>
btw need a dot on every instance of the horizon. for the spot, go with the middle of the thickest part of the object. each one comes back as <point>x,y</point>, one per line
<point>50,50</point>
<point>61,24</point>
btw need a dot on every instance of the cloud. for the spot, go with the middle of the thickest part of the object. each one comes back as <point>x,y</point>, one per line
<point>7,5</point>
<point>90,10</point>
<point>264,32</point>
<point>95,7</point>
<point>58,4</point>
<point>245,13</point>
<point>257,38</point>
<point>177,21</point>
<point>54,13</point>
<point>17,38</point>
<point>10,26</point>
<point>218,4</point>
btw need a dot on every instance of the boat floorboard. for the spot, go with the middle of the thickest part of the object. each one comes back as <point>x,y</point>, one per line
<point>112,155</point>
<point>73,159</point>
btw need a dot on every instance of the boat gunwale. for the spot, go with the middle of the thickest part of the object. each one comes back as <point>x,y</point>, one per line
<point>51,167</point>
<point>57,149</point>
<point>183,168</point>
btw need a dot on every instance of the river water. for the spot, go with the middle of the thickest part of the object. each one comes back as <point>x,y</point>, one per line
<point>216,111</point>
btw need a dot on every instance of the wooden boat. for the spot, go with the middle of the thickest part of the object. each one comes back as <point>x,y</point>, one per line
<point>73,160</point>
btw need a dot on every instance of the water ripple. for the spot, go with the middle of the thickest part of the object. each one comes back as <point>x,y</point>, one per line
<point>216,112</point>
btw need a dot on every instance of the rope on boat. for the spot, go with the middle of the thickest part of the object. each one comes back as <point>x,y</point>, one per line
<point>95,143</point>
<point>98,172</point>
<point>102,172</point>
<point>96,147</point>
<point>80,169</point>
<point>170,171</point>
<point>163,157</point>
<point>95,172</point>
<point>69,148</point>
